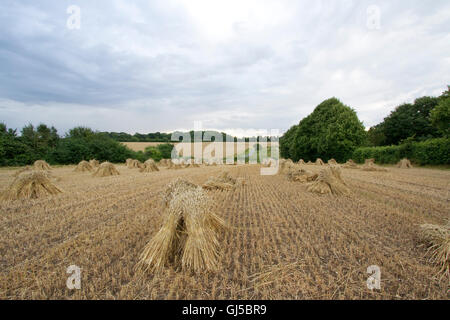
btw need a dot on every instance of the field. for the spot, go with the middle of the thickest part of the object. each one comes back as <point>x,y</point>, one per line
<point>140,146</point>
<point>283,243</point>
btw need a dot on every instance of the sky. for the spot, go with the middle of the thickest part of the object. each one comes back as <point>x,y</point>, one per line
<point>233,66</point>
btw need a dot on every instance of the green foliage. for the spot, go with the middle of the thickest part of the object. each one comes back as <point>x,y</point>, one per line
<point>407,120</point>
<point>440,117</point>
<point>375,136</point>
<point>86,145</point>
<point>429,152</point>
<point>153,153</point>
<point>43,142</point>
<point>286,141</point>
<point>161,151</point>
<point>165,149</point>
<point>139,137</point>
<point>332,130</point>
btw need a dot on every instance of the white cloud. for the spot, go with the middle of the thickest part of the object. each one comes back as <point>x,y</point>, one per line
<point>161,65</point>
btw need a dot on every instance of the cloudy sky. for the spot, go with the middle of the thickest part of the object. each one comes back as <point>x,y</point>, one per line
<point>146,66</point>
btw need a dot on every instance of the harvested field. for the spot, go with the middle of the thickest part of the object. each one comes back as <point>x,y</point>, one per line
<point>282,242</point>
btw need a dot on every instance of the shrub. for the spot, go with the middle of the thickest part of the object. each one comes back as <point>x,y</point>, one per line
<point>433,152</point>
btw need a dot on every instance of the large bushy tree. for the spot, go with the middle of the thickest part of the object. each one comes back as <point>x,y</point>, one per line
<point>332,130</point>
<point>440,116</point>
<point>410,120</point>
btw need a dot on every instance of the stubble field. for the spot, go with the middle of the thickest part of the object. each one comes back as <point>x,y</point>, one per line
<point>283,242</point>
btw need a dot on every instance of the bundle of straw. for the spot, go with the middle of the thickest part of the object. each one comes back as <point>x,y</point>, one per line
<point>189,235</point>
<point>437,237</point>
<point>404,164</point>
<point>300,175</point>
<point>329,181</point>
<point>223,181</point>
<point>106,169</point>
<point>369,165</point>
<point>319,162</point>
<point>149,166</point>
<point>332,162</point>
<point>83,166</point>
<point>41,165</point>
<point>94,163</point>
<point>30,185</point>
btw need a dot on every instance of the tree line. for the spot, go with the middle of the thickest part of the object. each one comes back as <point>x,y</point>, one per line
<point>80,143</point>
<point>333,130</point>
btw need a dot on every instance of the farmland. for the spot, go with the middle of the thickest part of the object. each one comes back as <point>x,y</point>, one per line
<point>283,242</point>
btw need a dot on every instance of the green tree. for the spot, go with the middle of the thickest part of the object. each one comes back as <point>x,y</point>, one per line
<point>375,136</point>
<point>332,130</point>
<point>440,117</point>
<point>81,132</point>
<point>286,141</point>
<point>410,120</point>
<point>165,149</point>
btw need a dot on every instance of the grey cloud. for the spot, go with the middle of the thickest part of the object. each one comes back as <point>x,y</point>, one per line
<point>152,66</point>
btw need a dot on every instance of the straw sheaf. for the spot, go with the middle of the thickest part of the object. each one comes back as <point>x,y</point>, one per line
<point>94,163</point>
<point>404,164</point>
<point>223,181</point>
<point>437,237</point>
<point>189,236</point>
<point>300,175</point>
<point>83,166</point>
<point>30,185</point>
<point>106,169</point>
<point>369,165</point>
<point>350,164</point>
<point>41,165</point>
<point>149,166</point>
<point>329,181</point>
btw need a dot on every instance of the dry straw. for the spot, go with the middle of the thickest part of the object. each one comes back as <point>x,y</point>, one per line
<point>319,162</point>
<point>369,165</point>
<point>404,164</point>
<point>300,175</point>
<point>189,237</point>
<point>301,161</point>
<point>41,165</point>
<point>106,169</point>
<point>173,165</point>
<point>223,181</point>
<point>329,181</point>
<point>437,237</point>
<point>94,163</point>
<point>21,170</point>
<point>134,164</point>
<point>83,166</point>
<point>30,185</point>
<point>149,166</point>
<point>269,162</point>
<point>285,166</point>
<point>332,162</point>
<point>350,164</point>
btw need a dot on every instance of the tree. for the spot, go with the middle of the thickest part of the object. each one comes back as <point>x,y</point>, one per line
<point>332,130</point>
<point>286,142</point>
<point>375,136</point>
<point>81,132</point>
<point>165,149</point>
<point>440,117</point>
<point>410,120</point>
